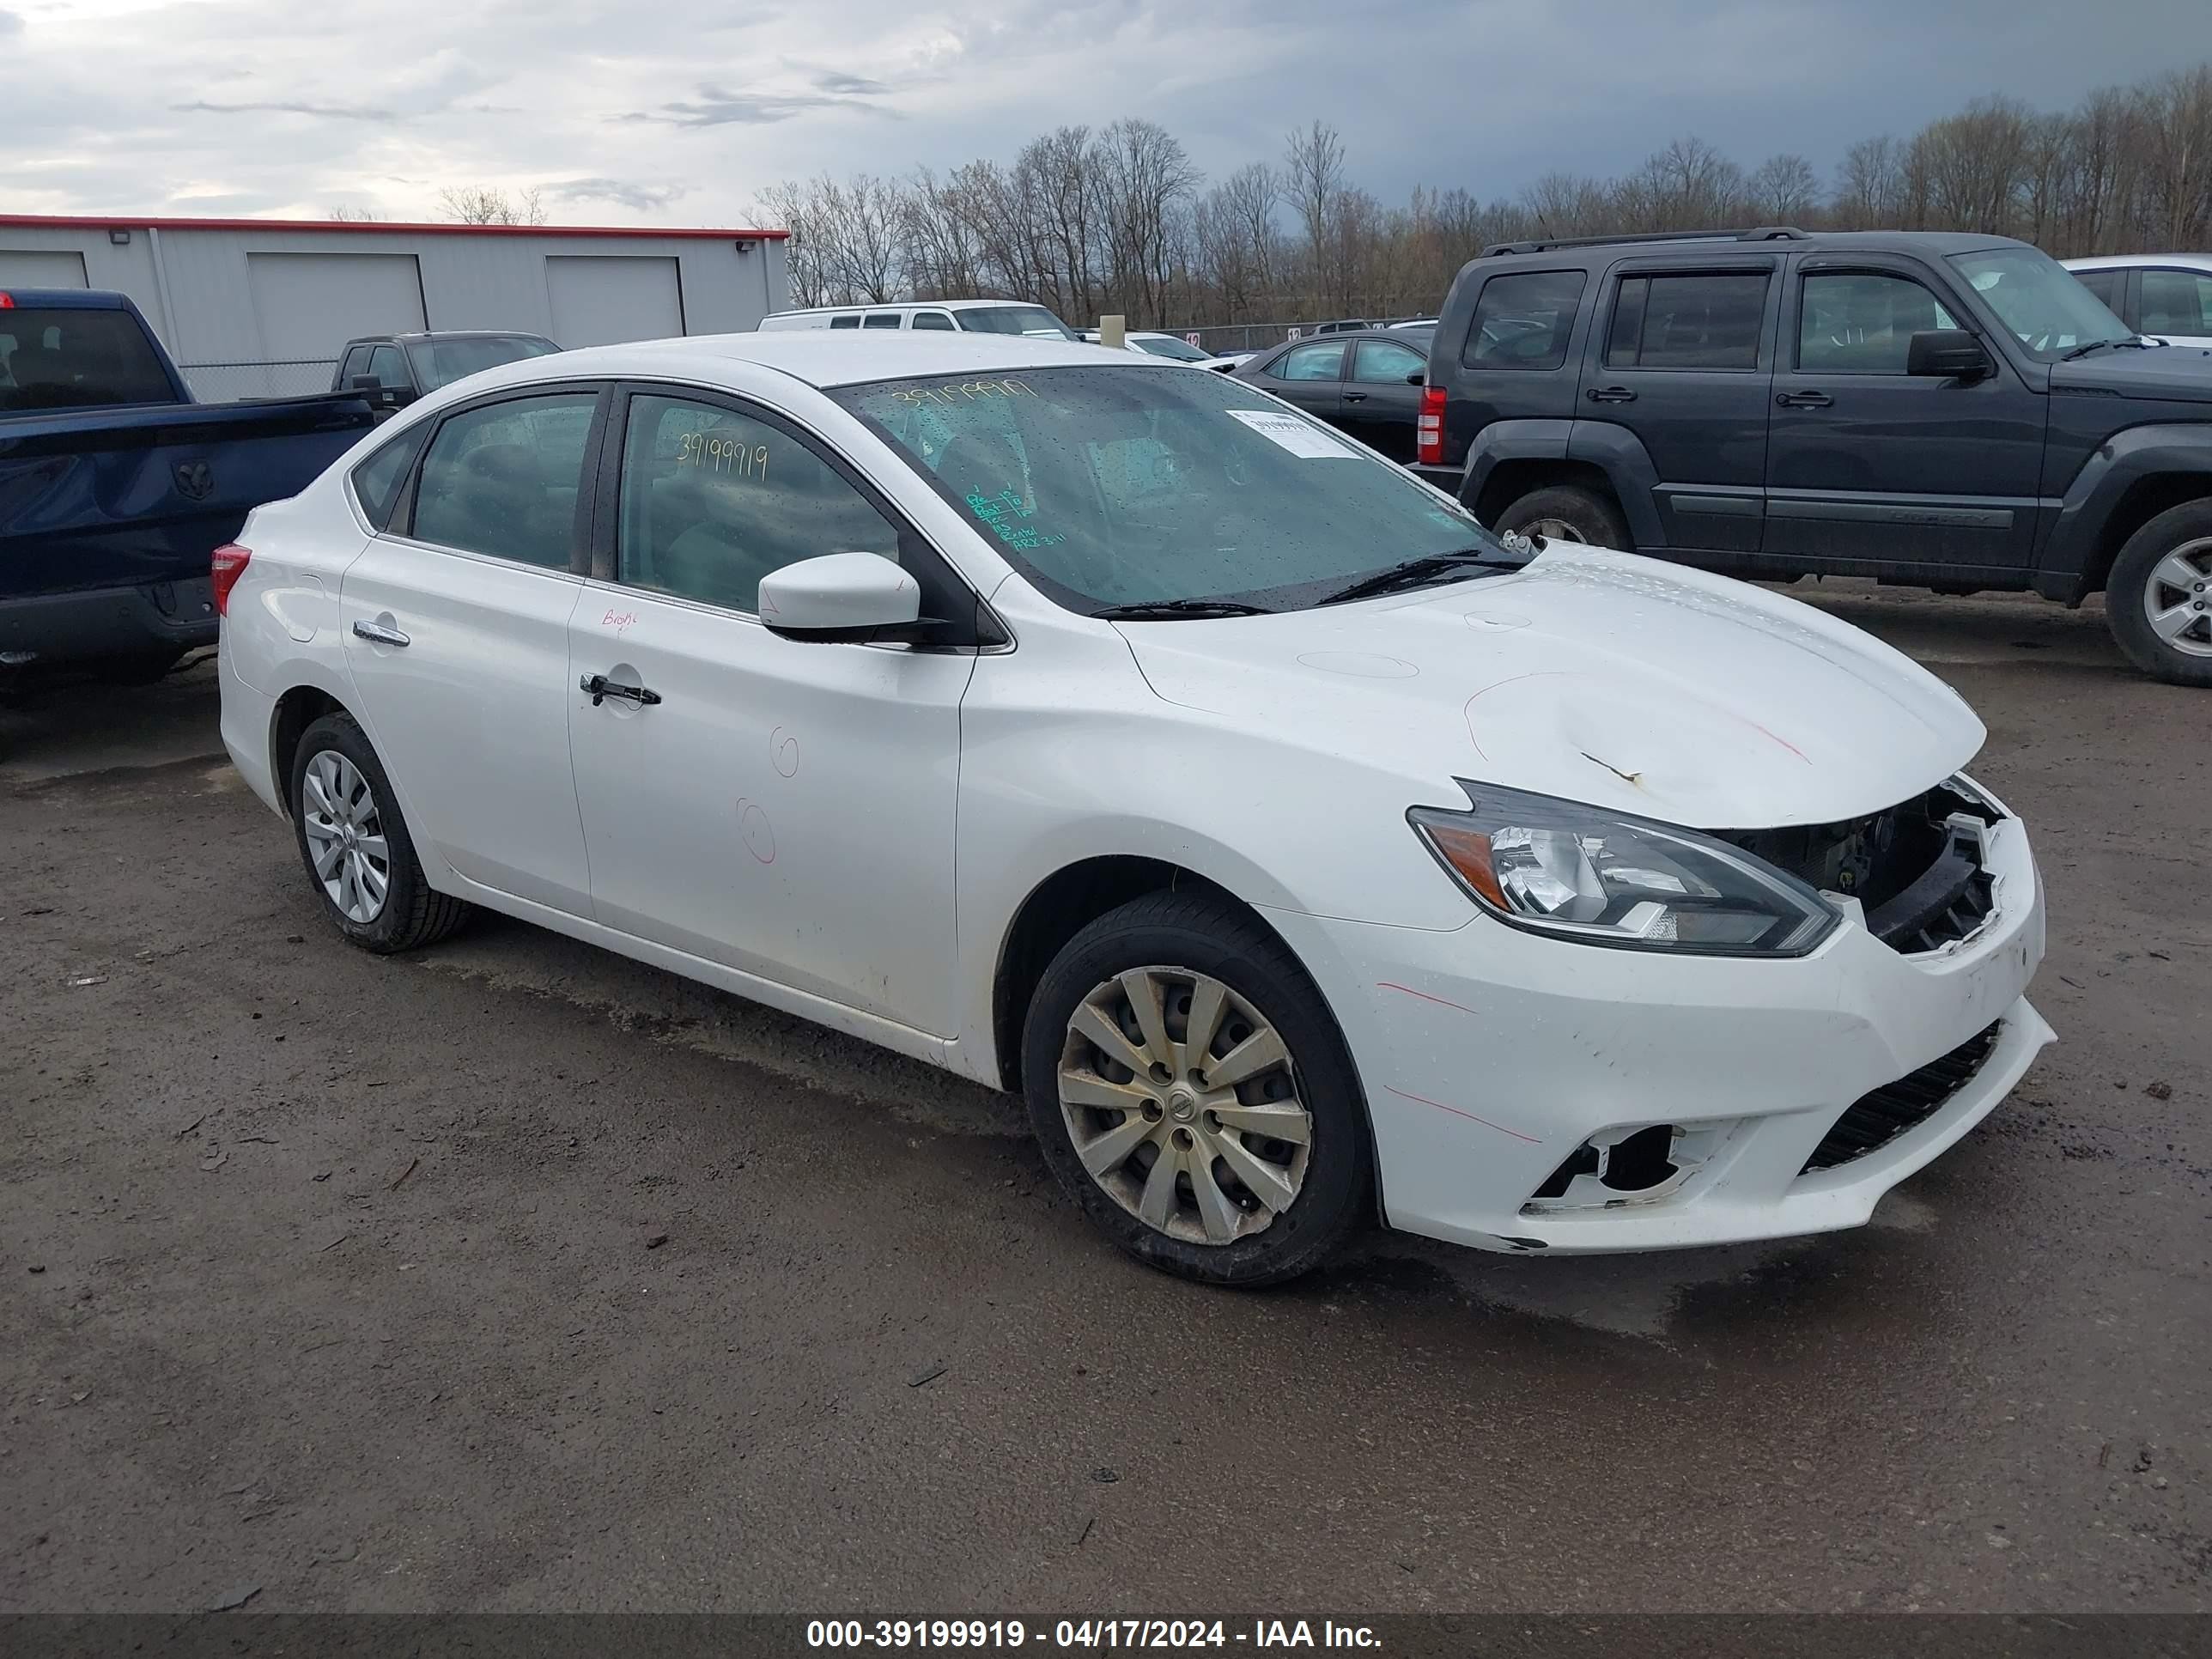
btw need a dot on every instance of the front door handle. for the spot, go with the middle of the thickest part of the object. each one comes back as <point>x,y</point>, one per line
<point>378,633</point>
<point>1804,399</point>
<point>601,688</point>
<point>1355,396</point>
<point>1611,394</point>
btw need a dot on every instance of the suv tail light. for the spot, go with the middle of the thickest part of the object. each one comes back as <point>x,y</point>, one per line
<point>226,565</point>
<point>1429,430</point>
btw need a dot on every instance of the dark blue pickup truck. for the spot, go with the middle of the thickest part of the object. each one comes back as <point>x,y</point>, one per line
<point>115,486</point>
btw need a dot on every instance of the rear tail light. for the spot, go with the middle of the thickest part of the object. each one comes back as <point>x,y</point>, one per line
<point>226,565</point>
<point>7,302</point>
<point>1429,430</point>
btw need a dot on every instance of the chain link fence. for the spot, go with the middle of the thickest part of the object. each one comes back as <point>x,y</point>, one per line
<point>227,383</point>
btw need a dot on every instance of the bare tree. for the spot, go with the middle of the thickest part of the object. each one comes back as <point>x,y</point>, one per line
<point>488,204</point>
<point>345,213</point>
<point>1784,190</point>
<point>1870,185</point>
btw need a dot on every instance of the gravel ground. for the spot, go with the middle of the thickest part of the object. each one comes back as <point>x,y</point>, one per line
<point>515,1276</point>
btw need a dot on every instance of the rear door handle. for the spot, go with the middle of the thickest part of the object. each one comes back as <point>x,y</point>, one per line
<point>1355,396</point>
<point>1804,399</point>
<point>1610,394</point>
<point>378,633</point>
<point>601,688</point>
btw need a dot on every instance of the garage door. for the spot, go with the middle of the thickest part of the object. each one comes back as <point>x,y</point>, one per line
<point>601,301</point>
<point>309,305</point>
<point>40,268</point>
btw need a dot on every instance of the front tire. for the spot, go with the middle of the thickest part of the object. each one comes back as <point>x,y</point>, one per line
<point>1567,512</point>
<point>356,845</point>
<point>1193,1094</point>
<point>2158,600</point>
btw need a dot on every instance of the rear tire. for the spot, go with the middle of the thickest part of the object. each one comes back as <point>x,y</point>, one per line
<point>1226,1164</point>
<point>356,847</point>
<point>2158,600</point>
<point>1569,513</point>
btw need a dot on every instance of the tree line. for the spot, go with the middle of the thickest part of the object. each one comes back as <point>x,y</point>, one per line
<point>1091,221</point>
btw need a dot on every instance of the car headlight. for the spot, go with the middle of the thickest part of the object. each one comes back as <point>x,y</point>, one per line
<point>1583,873</point>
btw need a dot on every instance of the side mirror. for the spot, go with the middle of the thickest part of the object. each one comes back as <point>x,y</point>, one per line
<point>1418,377</point>
<point>839,596</point>
<point>367,383</point>
<point>1948,354</point>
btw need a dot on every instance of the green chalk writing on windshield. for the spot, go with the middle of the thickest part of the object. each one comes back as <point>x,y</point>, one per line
<point>1001,513</point>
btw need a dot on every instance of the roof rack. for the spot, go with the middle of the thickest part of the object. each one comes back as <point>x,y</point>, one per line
<point>1757,234</point>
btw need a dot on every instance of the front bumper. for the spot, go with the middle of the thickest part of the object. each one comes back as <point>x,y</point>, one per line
<point>1490,1056</point>
<point>53,630</point>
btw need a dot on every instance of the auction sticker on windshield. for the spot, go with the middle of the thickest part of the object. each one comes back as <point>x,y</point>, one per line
<point>1300,437</point>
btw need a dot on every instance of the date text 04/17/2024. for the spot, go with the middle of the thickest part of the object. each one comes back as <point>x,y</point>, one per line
<point>1086,1633</point>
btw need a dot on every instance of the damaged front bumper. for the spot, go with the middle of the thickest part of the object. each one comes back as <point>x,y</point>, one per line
<point>1528,1093</point>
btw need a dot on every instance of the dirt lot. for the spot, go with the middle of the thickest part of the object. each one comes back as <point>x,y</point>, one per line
<point>515,1276</point>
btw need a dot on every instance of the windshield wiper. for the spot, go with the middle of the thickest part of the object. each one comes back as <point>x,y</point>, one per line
<point>2088,346</point>
<point>1170,609</point>
<point>1427,569</point>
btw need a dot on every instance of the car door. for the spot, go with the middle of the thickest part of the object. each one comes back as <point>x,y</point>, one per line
<point>1685,366</point>
<point>455,625</point>
<point>2174,305</point>
<point>783,807</point>
<point>1381,404</point>
<point>1871,469</point>
<point>1311,376</point>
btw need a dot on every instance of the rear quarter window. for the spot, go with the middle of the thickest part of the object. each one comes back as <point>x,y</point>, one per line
<point>1524,319</point>
<point>378,480</point>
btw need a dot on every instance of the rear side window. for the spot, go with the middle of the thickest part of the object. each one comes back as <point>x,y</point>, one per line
<point>503,479</point>
<point>852,321</point>
<point>68,359</point>
<point>1524,321</point>
<point>1699,320</point>
<point>932,319</point>
<point>2175,302</point>
<point>881,319</point>
<point>377,481</point>
<point>1311,362</point>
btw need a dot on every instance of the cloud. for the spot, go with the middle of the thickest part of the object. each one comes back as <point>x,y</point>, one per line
<point>643,198</point>
<point>327,111</point>
<point>858,85</point>
<point>715,107</point>
<point>9,23</point>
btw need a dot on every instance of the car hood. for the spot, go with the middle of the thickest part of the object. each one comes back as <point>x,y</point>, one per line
<point>2174,373</point>
<point>1591,676</point>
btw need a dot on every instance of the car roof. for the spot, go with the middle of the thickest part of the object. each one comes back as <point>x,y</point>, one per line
<point>819,358</point>
<point>434,335</point>
<point>64,299</point>
<point>1942,243</point>
<point>2130,261</point>
<point>908,305</point>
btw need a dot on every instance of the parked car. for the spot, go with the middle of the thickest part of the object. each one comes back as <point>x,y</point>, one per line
<point>1174,348</point>
<point>2168,295</point>
<point>1429,323</point>
<point>1120,736</point>
<point>1368,384</point>
<point>392,370</point>
<point>943,316</point>
<point>1343,325</point>
<point>115,486</point>
<point>1950,411</point>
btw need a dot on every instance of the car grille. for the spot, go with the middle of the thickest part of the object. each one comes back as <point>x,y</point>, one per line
<point>1879,1116</point>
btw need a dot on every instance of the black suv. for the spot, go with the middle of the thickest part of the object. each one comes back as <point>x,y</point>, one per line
<point>1948,411</point>
<point>393,370</point>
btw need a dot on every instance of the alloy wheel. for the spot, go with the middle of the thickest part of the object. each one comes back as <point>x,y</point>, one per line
<point>1181,1101</point>
<point>345,836</point>
<point>1554,529</point>
<point>2177,598</point>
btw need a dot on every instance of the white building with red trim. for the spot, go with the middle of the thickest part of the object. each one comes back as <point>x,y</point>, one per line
<point>255,307</point>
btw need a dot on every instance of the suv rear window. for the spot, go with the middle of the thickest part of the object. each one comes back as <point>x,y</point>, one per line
<point>71,359</point>
<point>1523,320</point>
<point>1699,320</point>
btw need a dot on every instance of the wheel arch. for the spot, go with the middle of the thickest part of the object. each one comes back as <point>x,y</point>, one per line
<point>306,701</point>
<point>2134,476</point>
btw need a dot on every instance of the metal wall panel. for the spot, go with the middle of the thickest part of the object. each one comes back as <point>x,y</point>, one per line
<point>603,300</point>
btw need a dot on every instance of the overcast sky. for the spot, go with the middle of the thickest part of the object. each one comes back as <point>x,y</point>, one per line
<point>642,111</point>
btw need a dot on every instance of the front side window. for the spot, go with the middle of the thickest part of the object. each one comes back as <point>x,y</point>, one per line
<point>1108,485</point>
<point>713,500</point>
<point>377,481</point>
<point>1033,320</point>
<point>387,366</point>
<point>356,363</point>
<point>936,320</point>
<point>2177,302</point>
<point>2041,302</point>
<point>2106,285</point>
<point>881,319</point>
<point>503,479</point>
<point>1311,362</point>
<point>1386,363</point>
<point>1523,321</point>
<point>1862,323</point>
<point>442,363</point>
<point>1699,320</point>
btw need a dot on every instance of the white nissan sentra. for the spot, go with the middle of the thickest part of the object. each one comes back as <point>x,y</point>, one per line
<point>1112,732</point>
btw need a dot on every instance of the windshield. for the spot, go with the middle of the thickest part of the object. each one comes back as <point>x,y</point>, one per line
<point>1016,319</point>
<point>2042,302</point>
<point>1112,485</point>
<point>442,363</point>
<point>1163,345</point>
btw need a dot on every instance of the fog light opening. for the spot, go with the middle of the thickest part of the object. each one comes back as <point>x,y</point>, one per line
<point>1642,1161</point>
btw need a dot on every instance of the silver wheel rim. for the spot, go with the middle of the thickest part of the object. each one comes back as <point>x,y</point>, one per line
<point>1554,529</point>
<point>345,836</point>
<point>2178,599</point>
<point>1181,1101</point>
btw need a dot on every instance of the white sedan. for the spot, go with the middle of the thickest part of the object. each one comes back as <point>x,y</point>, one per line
<point>1120,735</point>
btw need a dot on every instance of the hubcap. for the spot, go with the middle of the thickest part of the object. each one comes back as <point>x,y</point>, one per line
<point>1181,1101</point>
<point>345,836</point>
<point>1553,530</point>
<point>2175,597</point>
